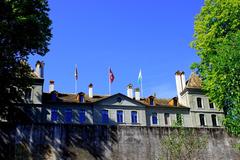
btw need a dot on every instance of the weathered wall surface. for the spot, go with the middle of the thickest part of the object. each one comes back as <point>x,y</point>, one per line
<point>75,142</point>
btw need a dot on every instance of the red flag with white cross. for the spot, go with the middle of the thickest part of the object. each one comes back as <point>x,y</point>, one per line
<point>111,76</point>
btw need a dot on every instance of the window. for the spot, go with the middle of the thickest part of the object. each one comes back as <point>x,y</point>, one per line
<point>28,94</point>
<point>81,98</point>
<point>119,99</point>
<point>214,120</point>
<point>105,118</point>
<point>202,120</point>
<point>166,118</point>
<point>68,116</point>
<point>154,118</point>
<point>54,115</point>
<point>211,104</point>
<point>82,117</point>
<point>151,101</point>
<point>199,102</point>
<point>54,96</point>
<point>134,116</point>
<point>120,116</point>
<point>179,119</point>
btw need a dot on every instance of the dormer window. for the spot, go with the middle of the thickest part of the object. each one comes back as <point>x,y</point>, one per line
<point>54,96</point>
<point>81,98</point>
<point>151,100</point>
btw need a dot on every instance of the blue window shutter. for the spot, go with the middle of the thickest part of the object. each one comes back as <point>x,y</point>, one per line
<point>68,115</point>
<point>54,114</point>
<point>104,116</point>
<point>154,118</point>
<point>120,116</point>
<point>82,116</point>
<point>134,116</point>
<point>81,98</point>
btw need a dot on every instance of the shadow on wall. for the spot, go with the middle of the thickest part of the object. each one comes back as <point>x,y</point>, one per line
<point>56,141</point>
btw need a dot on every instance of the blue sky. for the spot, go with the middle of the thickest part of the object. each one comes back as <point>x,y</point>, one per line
<point>126,35</point>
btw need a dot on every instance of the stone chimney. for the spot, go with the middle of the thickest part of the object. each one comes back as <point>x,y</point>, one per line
<point>137,94</point>
<point>180,84</point>
<point>90,90</point>
<point>51,86</point>
<point>39,69</point>
<point>130,91</point>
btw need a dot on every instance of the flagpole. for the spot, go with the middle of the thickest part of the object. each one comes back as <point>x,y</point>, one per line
<point>141,89</point>
<point>75,86</point>
<point>76,77</point>
<point>109,83</point>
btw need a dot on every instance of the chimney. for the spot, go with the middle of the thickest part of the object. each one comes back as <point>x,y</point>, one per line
<point>90,90</point>
<point>130,91</point>
<point>180,84</point>
<point>51,86</point>
<point>137,94</point>
<point>39,69</point>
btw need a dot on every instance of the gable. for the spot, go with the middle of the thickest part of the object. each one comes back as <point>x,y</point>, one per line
<point>119,100</point>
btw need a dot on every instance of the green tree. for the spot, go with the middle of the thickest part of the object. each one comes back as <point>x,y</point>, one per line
<point>24,30</point>
<point>183,143</point>
<point>217,33</point>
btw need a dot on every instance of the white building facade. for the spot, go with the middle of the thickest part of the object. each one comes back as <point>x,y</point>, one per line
<point>191,108</point>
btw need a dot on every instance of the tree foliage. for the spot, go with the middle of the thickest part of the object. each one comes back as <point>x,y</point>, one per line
<point>24,30</point>
<point>217,41</point>
<point>183,143</point>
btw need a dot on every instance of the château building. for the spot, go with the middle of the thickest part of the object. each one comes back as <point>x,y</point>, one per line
<point>191,108</point>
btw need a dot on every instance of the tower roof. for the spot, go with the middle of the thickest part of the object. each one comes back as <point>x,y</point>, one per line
<point>194,81</point>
